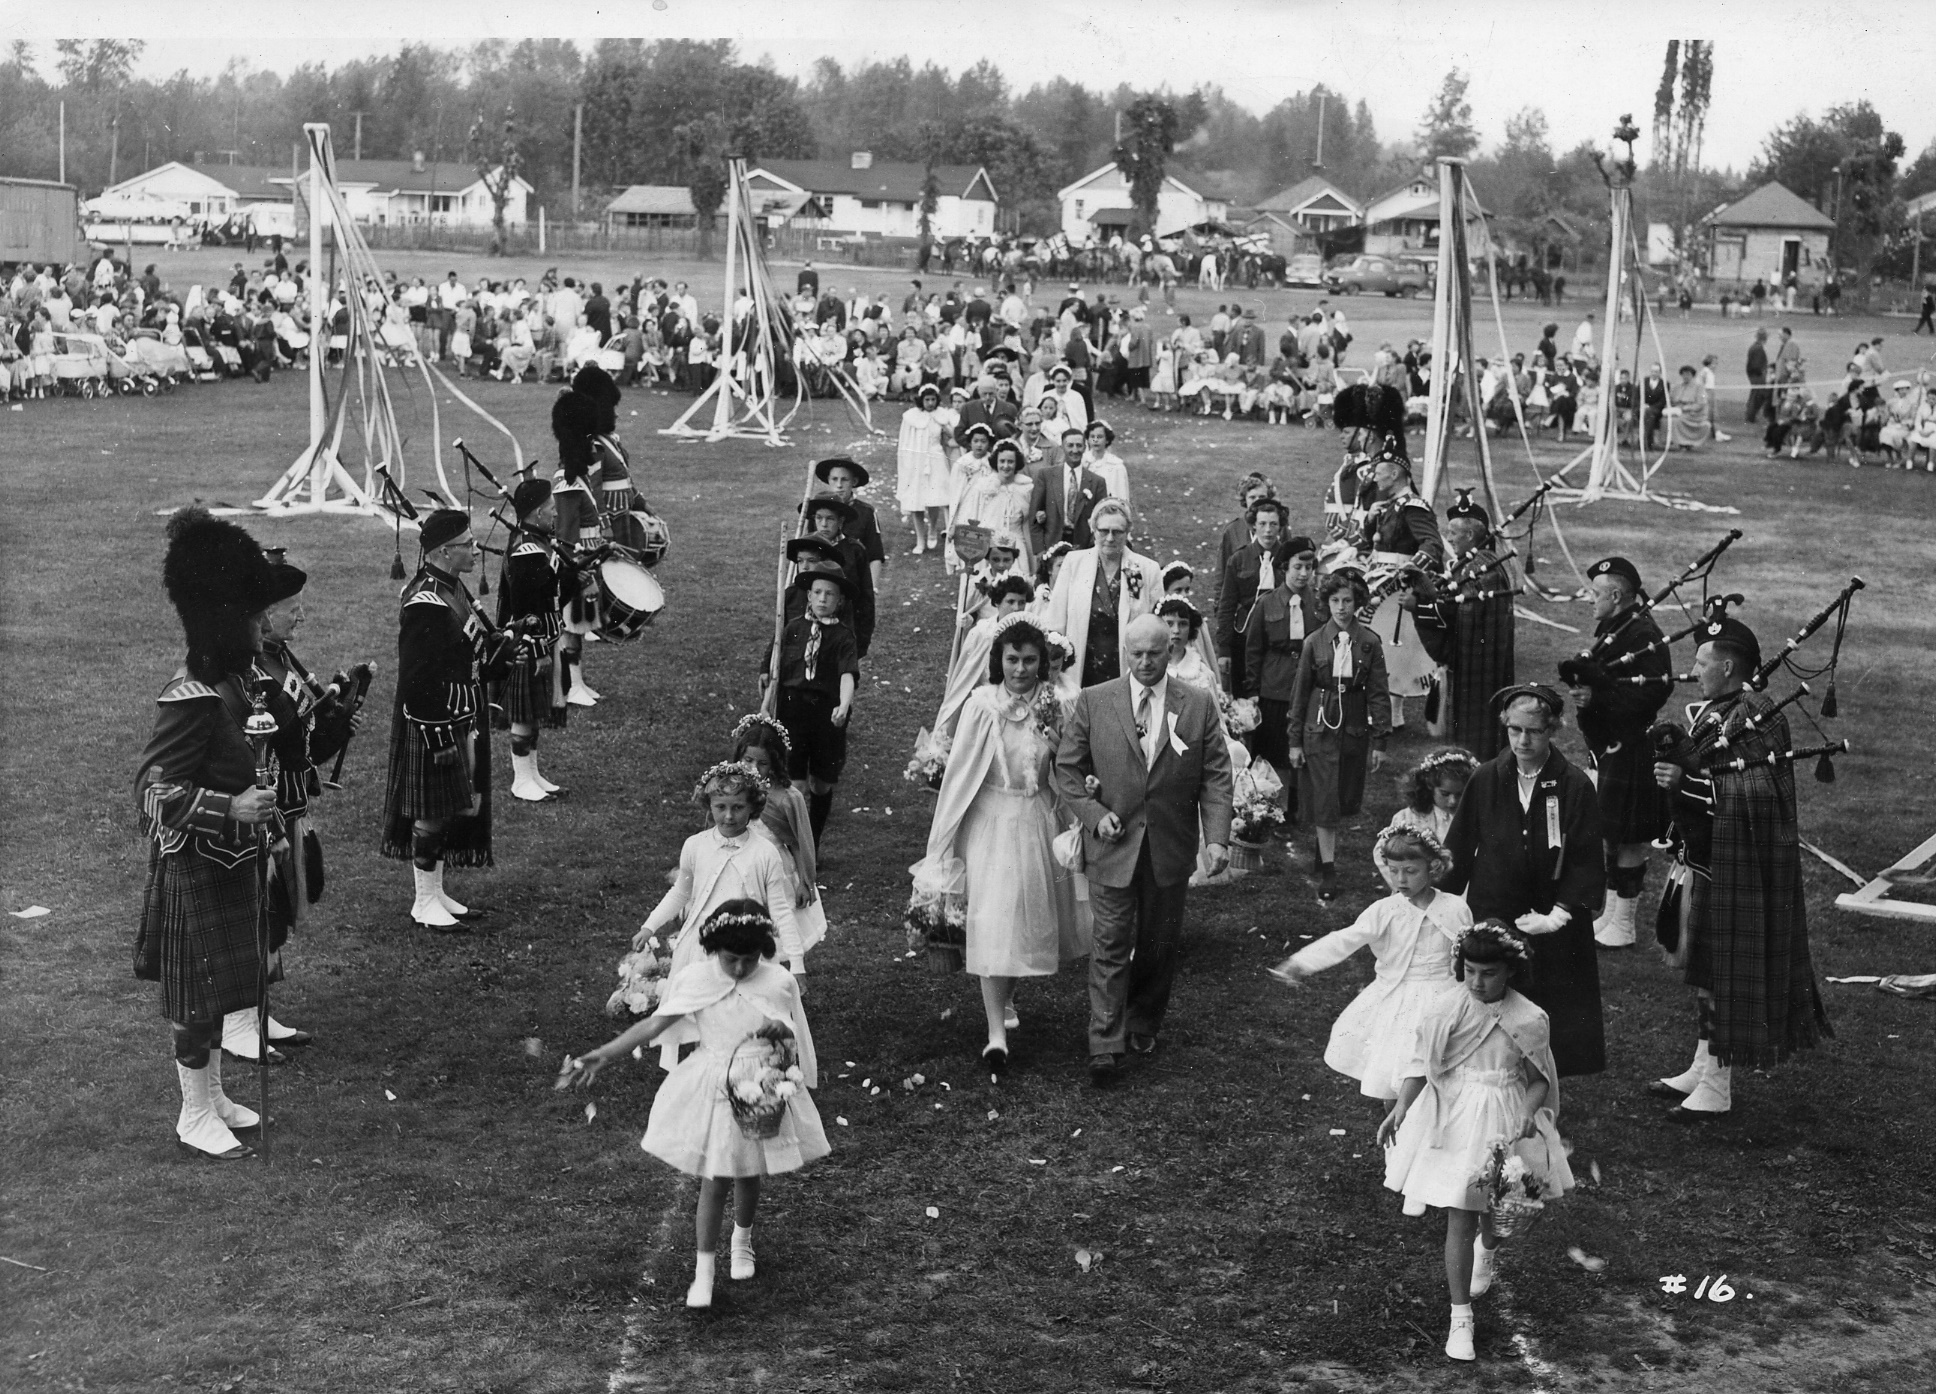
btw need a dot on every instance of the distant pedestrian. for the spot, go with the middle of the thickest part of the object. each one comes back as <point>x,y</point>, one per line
<point>1929,313</point>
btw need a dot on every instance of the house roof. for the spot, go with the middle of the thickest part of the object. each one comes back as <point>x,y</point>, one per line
<point>1772,205</point>
<point>1170,176</point>
<point>1212,186</point>
<point>668,199</point>
<point>403,177</point>
<point>1111,216</point>
<point>1394,203</point>
<point>247,181</point>
<point>892,181</point>
<point>1306,192</point>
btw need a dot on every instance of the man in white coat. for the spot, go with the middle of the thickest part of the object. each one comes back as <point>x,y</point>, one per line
<point>1098,592</point>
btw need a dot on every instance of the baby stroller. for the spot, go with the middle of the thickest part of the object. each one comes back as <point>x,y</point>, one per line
<point>80,366</point>
<point>169,361</point>
<point>201,363</point>
<point>127,374</point>
<point>228,359</point>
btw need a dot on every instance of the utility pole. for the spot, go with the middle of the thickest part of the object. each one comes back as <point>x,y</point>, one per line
<point>114,145</point>
<point>577,146</point>
<point>358,148</point>
<point>1318,163</point>
<point>63,142</point>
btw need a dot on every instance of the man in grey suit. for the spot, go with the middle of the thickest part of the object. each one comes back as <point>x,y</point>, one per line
<point>1064,494</point>
<point>1162,770</point>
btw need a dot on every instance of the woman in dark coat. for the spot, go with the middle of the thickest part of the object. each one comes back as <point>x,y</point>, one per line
<point>1525,848</point>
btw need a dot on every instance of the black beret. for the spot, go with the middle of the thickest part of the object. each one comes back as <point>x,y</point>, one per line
<point>1615,566</point>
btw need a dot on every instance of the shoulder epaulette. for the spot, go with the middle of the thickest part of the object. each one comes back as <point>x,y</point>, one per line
<point>528,549</point>
<point>186,690</point>
<point>426,596</point>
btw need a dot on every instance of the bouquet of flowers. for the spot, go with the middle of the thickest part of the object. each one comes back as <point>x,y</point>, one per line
<point>763,1073</point>
<point>1511,1189</point>
<point>1241,715</point>
<point>1048,714</point>
<point>936,920</point>
<point>930,761</point>
<point>641,980</point>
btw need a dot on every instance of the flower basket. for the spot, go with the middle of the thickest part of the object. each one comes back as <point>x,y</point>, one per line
<point>762,1074</point>
<point>1246,855</point>
<point>1512,1216</point>
<point>936,919</point>
<point>641,980</point>
<point>945,960</point>
<point>930,762</point>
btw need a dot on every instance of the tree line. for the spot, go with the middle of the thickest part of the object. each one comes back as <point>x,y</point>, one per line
<point>664,112</point>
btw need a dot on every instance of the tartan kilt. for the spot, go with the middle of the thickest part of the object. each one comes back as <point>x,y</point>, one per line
<point>197,936</point>
<point>531,694</point>
<point>459,795</point>
<point>1633,807</point>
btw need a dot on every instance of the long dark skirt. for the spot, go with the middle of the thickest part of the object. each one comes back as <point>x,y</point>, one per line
<point>1564,981</point>
<point>1331,785</point>
<point>198,935</point>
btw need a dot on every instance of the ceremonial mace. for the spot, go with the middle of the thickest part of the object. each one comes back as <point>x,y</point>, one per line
<point>260,729</point>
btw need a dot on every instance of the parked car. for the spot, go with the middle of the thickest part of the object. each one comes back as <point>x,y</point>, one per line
<point>1304,269</point>
<point>1385,275</point>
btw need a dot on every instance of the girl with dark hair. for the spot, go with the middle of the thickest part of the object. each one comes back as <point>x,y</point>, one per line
<point>762,742</point>
<point>1484,1070</point>
<point>1340,717</point>
<point>995,823</point>
<point>732,999</point>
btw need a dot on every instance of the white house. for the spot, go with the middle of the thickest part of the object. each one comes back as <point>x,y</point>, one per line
<point>1098,204</point>
<point>877,197</point>
<point>1314,204</point>
<point>206,190</point>
<point>1406,219</point>
<point>443,192</point>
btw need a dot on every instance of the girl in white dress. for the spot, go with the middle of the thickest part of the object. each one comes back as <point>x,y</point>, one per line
<point>1432,793</point>
<point>763,743</point>
<point>921,480</point>
<point>1483,1071</point>
<point>725,862</point>
<point>994,827</point>
<point>1411,934</point>
<point>725,998</point>
<point>1097,456</point>
<point>999,499</point>
<point>1008,595</point>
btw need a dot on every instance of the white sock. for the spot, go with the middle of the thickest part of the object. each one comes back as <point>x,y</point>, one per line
<point>1462,1309</point>
<point>742,1236</point>
<point>702,1269</point>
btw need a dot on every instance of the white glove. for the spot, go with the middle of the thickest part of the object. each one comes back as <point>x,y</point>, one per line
<point>1555,919</point>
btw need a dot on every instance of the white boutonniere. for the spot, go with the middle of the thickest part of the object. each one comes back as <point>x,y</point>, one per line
<point>1134,580</point>
<point>1177,743</point>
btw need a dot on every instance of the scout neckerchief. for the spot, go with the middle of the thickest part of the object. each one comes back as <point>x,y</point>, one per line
<point>810,660</point>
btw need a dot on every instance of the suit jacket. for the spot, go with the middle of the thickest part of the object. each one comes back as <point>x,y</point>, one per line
<point>1187,791</point>
<point>1049,500</point>
<point>1075,585</point>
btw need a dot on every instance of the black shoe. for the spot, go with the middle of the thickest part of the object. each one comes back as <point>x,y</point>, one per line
<point>1677,1114</point>
<point>1141,1044</point>
<point>1661,1089</point>
<point>995,1058</point>
<point>1328,882</point>
<point>461,927</point>
<point>234,1154</point>
<point>296,1039</point>
<point>276,1057</point>
<point>1103,1071</point>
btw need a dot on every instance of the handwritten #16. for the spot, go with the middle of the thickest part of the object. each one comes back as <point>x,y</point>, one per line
<point>1715,1290</point>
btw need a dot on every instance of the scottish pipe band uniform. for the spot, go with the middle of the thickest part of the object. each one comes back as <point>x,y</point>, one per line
<point>1467,627</point>
<point>531,588</point>
<point>1615,725</point>
<point>1395,531</point>
<point>198,930</point>
<point>611,471</point>
<point>574,488</point>
<point>1733,916</point>
<point>1522,846</point>
<point>446,650</point>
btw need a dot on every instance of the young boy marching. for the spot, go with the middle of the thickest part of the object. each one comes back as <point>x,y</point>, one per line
<point>818,671</point>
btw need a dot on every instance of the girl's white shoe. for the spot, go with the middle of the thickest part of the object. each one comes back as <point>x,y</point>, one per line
<point>742,1268</point>
<point>1482,1267</point>
<point>1458,1341</point>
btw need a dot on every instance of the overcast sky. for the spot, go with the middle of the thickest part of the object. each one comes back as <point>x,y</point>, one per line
<point>1584,64</point>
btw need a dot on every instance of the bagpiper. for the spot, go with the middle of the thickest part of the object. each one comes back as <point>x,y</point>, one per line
<point>437,801</point>
<point>201,812</point>
<point>575,487</point>
<point>531,694</point>
<point>1465,620</point>
<point>1618,689</point>
<point>313,723</point>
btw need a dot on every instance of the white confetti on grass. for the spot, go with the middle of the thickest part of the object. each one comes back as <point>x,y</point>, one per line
<point>934,1212</point>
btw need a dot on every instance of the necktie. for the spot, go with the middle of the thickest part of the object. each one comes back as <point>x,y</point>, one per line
<point>1143,724</point>
<point>1069,493</point>
<point>1341,658</point>
<point>1266,575</point>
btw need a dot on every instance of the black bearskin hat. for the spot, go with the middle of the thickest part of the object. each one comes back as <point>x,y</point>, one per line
<point>219,580</point>
<point>1375,409</point>
<point>574,421</point>
<point>593,382</point>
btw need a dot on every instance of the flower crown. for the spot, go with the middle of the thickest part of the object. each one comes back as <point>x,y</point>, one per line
<point>1008,622</point>
<point>740,920</point>
<point>1439,761</point>
<point>1177,605</point>
<point>730,777</point>
<point>760,721</point>
<point>1495,932</point>
<point>1435,853</point>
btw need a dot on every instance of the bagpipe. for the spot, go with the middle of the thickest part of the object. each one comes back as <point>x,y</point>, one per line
<point>1401,576</point>
<point>1471,567</point>
<point>1698,569</point>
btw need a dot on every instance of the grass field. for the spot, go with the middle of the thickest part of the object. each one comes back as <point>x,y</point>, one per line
<point>432,1217</point>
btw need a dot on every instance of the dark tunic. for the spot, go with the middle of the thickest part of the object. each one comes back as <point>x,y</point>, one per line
<point>858,611</point>
<point>531,692</point>
<point>1403,524</point>
<point>310,728</point>
<point>1337,724</point>
<point>1236,593</point>
<point>1632,806</point>
<point>1469,630</point>
<point>807,701</point>
<point>1507,861</point>
<point>1102,659</point>
<point>1271,653</point>
<point>445,652</point>
<point>1747,921</point>
<point>579,522</point>
<point>198,918</point>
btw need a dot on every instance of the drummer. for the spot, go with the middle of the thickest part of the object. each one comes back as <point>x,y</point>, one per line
<point>828,518</point>
<point>574,424</point>
<point>1398,526</point>
<point>844,476</point>
<point>616,498</point>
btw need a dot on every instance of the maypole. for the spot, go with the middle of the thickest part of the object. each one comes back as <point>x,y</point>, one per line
<point>1452,352</point>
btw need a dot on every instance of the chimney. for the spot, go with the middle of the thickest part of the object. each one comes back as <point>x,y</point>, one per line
<point>417,161</point>
<point>863,159</point>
